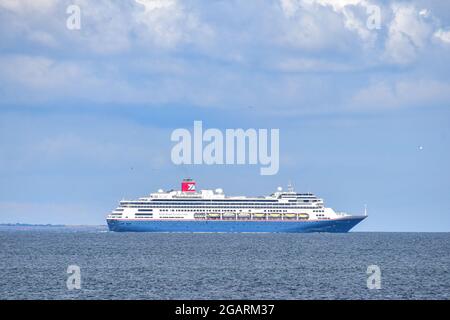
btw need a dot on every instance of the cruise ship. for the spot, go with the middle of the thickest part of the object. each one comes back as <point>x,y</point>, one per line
<point>189,210</point>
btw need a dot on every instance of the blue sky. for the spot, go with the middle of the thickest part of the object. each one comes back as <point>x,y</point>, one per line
<point>86,115</point>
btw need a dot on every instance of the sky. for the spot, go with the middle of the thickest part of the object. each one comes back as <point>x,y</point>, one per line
<point>86,114</point>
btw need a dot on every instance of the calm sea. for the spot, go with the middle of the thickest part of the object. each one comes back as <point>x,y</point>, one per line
<point>34,262</point>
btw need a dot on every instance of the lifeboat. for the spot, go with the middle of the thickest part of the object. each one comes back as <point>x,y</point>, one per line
<point>259,215</point>
<point>289,215</point>
<point>228,215</point>
<point>274,215</point>
<point>213,215</point>
<point>303,216</point>
<point>244,215</point>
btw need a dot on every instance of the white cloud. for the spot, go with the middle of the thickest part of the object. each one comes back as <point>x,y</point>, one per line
<point>42,80</point>
<point>382,95</point>
<point>304,27</point>
<point>151,5</point>
<point>409,29</point>
<point>43,38</point>
<point>339,4</point>
<point>29,6</point>
<point>215,54</point>
<point>408,34</point>
<point>425,13</point>
<point>311,65</point>
<point>352,13</point>
<point>291,7</point>
<point>443,35</point>
<point>107,27</point>
<point>38,73</point>
<point>166,23</point>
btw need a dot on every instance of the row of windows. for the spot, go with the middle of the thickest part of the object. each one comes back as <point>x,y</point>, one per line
<point>202,210</point>
<point>218,200</point>
<point>209,202</point>
<point>227,207</point>
<point>197,201</point>
<point>173,203</point>
<point>228,210</point>
<point>312,198</point>
<point>215,202</point>
<point>250,218</point>
<point>171,217</point>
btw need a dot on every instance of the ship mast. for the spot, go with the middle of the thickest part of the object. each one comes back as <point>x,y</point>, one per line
<point>290,187</point>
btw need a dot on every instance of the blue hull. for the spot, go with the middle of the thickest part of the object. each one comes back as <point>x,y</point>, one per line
<point>338,226</point>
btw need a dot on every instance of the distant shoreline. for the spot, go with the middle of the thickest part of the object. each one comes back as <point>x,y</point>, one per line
<point>49,225</point>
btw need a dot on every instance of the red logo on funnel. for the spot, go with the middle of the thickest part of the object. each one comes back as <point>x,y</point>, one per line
<point>188,185</point>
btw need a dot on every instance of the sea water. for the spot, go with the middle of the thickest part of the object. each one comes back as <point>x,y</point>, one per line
<point>34,264</point>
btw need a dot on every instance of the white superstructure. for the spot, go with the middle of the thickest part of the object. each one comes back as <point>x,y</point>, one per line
<point>188,204</point>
